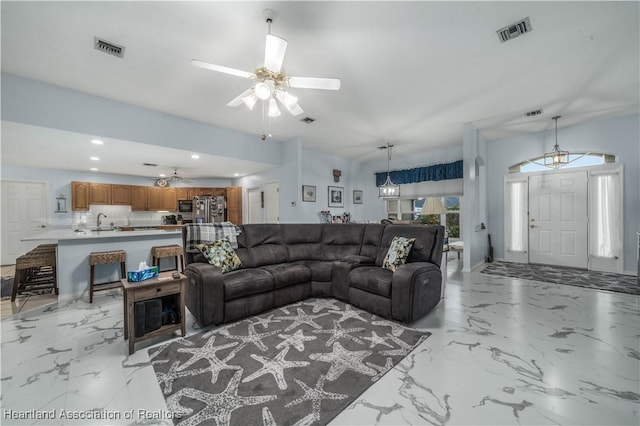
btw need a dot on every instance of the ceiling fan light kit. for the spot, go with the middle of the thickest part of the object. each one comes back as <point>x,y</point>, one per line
<point>271,81</point>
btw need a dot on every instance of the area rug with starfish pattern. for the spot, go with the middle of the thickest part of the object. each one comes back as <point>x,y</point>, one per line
<point>300,364</point>
<point>563,275</point>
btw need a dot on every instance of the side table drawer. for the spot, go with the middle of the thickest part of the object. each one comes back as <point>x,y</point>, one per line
<point>156,291</point>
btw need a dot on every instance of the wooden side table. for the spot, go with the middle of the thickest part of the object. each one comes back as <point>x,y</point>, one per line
<point>162,285</point>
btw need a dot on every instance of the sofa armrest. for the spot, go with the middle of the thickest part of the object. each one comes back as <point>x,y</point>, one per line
<point>205,293</point>
<point>415,290</point>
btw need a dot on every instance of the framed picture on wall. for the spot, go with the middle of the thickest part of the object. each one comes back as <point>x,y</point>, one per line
<point>357,196</point>
<point>309,193</point>
<point>336,196</point>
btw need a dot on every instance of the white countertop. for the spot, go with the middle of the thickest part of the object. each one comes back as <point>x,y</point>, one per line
<point>68,234</point>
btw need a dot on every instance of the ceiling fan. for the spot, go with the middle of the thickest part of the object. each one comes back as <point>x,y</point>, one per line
<point>271,81</point>
<point>174,178</point>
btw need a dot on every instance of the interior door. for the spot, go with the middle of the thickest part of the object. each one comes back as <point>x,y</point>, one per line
<point>255,205</point>
<point>272,202</point>
<point>24,213</point>
<point>558,219</point>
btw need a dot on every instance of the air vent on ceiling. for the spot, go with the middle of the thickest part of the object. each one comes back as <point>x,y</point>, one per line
<point>533,113</point>
<point>108,47</point>
<point>514,30</point>
<point>308,120</point>
<point>150,164</point>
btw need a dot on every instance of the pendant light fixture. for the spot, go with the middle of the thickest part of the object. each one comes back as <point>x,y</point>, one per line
<point>556,158</point>
<point>388,189</point>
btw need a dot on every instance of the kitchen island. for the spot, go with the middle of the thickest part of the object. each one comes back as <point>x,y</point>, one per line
<point>72,262</point>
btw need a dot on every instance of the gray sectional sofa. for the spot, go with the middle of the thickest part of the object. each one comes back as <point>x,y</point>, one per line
<point>285,263</point>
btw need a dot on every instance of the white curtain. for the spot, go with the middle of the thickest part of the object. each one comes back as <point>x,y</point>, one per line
<point>604,220</point>
<point>517,216</point>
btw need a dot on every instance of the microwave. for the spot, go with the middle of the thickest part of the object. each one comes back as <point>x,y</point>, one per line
<point>185,206</point>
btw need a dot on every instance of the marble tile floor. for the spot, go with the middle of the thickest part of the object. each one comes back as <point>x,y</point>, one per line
<point>503,351</point>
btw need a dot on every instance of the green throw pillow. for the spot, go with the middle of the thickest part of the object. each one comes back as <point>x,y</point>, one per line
<point>398,253</point>
<point>221,254</point>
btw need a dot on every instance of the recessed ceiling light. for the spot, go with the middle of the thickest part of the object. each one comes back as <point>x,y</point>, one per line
<point>162,175</point>
<point>94,158</point>
<point>97,141</point>
<point>93,169</point>
<point>195,156</point>
<point>236,174</point>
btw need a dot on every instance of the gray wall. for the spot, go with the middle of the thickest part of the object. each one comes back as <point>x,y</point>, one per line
<point>619,136</point>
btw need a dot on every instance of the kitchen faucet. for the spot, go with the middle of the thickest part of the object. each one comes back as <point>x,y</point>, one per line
<point>99,222</point>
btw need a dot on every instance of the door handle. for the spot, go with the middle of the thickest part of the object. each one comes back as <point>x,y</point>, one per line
<point>533,226</point>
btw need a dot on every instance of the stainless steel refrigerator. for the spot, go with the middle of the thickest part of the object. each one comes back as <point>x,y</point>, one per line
<point>208,209</point>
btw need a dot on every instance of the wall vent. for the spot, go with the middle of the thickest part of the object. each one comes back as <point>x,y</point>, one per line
<point>150,164</point>
<point>514,30</point>
<point>308,120</point>
<point>108,47</point>
<point>533,113</point>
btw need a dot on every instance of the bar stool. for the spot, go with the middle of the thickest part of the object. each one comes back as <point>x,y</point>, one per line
<point>36,270</point>
<point>158,252</point>
<point>101,258</point>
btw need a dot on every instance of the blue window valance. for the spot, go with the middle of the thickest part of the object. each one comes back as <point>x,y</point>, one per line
<point>420,174</point>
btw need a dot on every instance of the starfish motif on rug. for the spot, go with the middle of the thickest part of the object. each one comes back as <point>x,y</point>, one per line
<point>252,337</point>
<point>320,304</point>
<point>208,353</point>
<point>403,350</point>
<point>348,313</point>
<point>268,420</point>
<point>342,359</point>
<point>219,406</point>
<point>167,378</point>
<point>316,395</point>
<point>377,340</point>
<point>303,318</point>
<point>275,367</point>
<point>296,340</point>
<point>219,330</point>
<point>396,329</point>
<point>340,333</point>
<point>263,321</point>
<point>380,368</point>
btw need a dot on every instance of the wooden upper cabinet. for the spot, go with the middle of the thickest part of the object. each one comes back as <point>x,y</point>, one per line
<point>220,192</point>
<point>205,191</point>
<point>169,201</point>
<point>161,198</point>
<point>138,198</point>
<point>99,193</point>
<point>182,193</point>
<point>121,195</point>
<point>80,196</point>
<point>192,193</point>
<point>234,204</point>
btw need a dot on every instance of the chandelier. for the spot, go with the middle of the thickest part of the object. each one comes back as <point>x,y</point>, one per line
<point>556,158</point>
<point>388,189</point>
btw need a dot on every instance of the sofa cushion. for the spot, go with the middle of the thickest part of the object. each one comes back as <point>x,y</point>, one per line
<point>245,282</point>
<point>303,241</point>
<point>339,240</point>
<point>427,247</point>
<point>221,254</point>
<point>398,253</point>
<point>371,240</point>
<point>286,274</point>
<point>372,279</point>
<point>321,271</point>
<point>266,244</point>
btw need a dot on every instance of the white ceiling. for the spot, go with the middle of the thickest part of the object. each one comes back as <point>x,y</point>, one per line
<point>412,73</point>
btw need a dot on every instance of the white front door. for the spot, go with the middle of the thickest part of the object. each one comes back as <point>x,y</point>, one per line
<point>24,213</point>
<point>255,205</point>
<point>558,219</point>
<point>272,202</point>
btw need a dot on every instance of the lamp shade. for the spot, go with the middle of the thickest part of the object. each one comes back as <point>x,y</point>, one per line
<point>433,205</point>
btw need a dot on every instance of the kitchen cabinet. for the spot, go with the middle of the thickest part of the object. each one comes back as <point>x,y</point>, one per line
<point>161,198</point>
<point>121,195</point>
<point>99,193</point>
<point>182,193</point>
<point>80,196</point>
<point>192,193</point>
<point>220,192</point>
<point>205,191</point>
<point>138,198</point>
<point>234,204</point>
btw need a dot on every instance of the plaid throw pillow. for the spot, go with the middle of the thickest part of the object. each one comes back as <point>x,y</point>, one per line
<point>221,254</point>
<point>398,253</point>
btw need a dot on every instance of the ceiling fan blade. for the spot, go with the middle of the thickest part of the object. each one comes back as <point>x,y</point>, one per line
<point>237,101</point>
<point>314,83</point>
<point>274,51</point>
<point>220,68</point>
<point>289,102</point>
